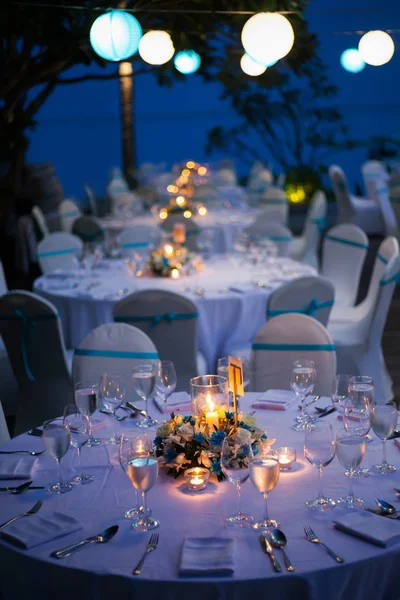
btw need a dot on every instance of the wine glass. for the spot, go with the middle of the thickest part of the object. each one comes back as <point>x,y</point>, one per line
<point>139,445</point>
<point>340,391</point>
<point>112,394</point>
<point>166,379</point>
<point>236,455</point>
<point>222,369</point>
<point>264,475</point>
<point>361,390</point>
<point>384,421</point>
<point>78,421</point>
<point>144,379</point>
<point>57,437</point>
<point>319,450</point>
<point>86,399</point>
<point>302,382</point>
<point>350,450</point>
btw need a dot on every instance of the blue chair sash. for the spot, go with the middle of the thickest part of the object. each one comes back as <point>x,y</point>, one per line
<point>116,354</point>
<point>156,319</point>
<point>339,240</point>
<point>321,224</point>
<point>393,279</point>
<point>310,310</point>
<point>295,347</point>
<point>136,245</point>
<point>382,259</point>
<point>59,252</point>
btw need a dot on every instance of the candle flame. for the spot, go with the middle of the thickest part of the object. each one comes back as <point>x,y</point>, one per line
<point>210,402</point>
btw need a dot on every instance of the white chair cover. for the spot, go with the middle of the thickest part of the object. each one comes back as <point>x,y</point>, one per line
<point>40,220</point>
<point>394,192</point>
<point>32,333</point>
<point>88,229</point>
<point>113,348</point>
<point>275,232</point>
<point>170,321</point>
<point>192,229</point>
<point>388,214</point>
<point>59,250</point>
<point>357,331</point>
<point>343,254</point>
<point>225,177</point>
<point>138,239</point>
<point>305,247</point>
<point>9,387</point>
<point>311,296</point>
<point>373,171</point>
<point>4,433</point>
<point>283,340</point>
<point>91,196</point>
<point>68,211</point>
<point>274,199</point>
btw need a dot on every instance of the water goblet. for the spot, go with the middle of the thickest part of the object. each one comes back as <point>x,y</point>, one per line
<point>86,399</point>
<point>57,437</point>
<point>236,455</point>
<point>350,450</point>
<point>361,389</point>
<point>142,470</point>
<point>384,421</point>
<point>302,382</point>
<point>340,391</point>
<point>78,422</point>
<point>144,379</point>
<point>139,445</point>
<point>319,450</point>
<point>264,475</point>
<point>166,379</point>
<point>356,416</point>
<point>112,394</point>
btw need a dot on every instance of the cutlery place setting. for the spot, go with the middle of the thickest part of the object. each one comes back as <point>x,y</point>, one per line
<point>275,538</point>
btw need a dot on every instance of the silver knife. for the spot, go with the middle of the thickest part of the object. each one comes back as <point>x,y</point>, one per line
<point>133,407</point>
<point>267,548</point>
<point>158,407</point>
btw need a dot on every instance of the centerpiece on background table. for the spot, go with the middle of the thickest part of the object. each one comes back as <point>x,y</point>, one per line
<point>173,259</point>
<point>181,205</point>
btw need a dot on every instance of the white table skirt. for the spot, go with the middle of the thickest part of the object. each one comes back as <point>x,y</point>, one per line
<point>226,317</point>
<point>102,571</point>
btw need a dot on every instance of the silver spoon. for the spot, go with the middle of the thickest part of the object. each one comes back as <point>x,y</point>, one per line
<point>101,538</point>
<point>396,492</point>
<point>385,507</point>
<point>278,540</point>
<point>22,452</point>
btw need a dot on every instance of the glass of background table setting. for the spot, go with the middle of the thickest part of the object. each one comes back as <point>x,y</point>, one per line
<point>340,392</point>
<point>319,450</point>
<point>78,421</point>
<point>264,475</point>
<point>236,455</point>
<point>384,421</point>
<point>144,381</point>
<point>222,368</point>
<point>166,380</point>
<point>57,437</point>
<point>112,395</point>
<point>302,382</point>
<point>356,416</point>
<point>350,450</point>
<point>86,399</point>
<point>138,461</point>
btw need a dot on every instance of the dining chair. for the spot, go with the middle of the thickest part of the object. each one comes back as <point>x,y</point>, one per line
<point>191,228</point>
<point>91,196</point>
<point>59,250</point>
<point>170,321</point>
<point>68,211</point>
<point>32,334</point>
<point>357,330</point>
<point>9,387</point>
<point>4,433</point>
<point>373,171</point>
<point>39,223</point>
<point>388,208</point>
<point>344,251</point>
<point>270,230</point>
<point>138,239</point>
<point>88,229</point>
<point>274,202</point>
<point>113,348</point>
<point>313,296</point>
<point>304,248</point>
<point>288,338</point>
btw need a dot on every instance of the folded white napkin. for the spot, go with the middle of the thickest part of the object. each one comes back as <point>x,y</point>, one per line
<point>207,556</point>
<point>275,400</point>
<point>17,467</point>
<point>372,528</point>
<point>242,288</point>
<point>39,529</point>
<point>180,401</point>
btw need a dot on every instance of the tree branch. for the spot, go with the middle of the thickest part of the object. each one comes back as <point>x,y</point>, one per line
<point>93,77</point>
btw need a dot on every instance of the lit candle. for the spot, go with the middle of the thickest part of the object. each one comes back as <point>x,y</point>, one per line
<point>286,458</point>
<point>168,250</point>
<point>212,415</point>
<point>175,274</point>
<point>140,449</point>
<point>197,479</point>
<point>179,233</point>
<point>181,200</point>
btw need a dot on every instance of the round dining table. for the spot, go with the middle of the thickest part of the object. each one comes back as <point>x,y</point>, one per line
<point>230,296</point>
<point>104,571</point>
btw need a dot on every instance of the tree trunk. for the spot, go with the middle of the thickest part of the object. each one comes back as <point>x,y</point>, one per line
<point>127,119</point>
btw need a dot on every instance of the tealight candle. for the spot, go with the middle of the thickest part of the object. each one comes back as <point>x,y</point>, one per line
<point>286,458</point>
<point>211,415</point>
<point>197,479</point>
<point>168,250</point>
<point>175,274</point>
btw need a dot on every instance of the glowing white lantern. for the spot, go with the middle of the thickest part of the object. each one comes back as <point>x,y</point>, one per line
<point>156,47</point>
<point>115,35</point>
<point>352,61</point>
<point>251,67</point>
<point>187,62</point>
<point>267,37</point>
<point>376,48</point>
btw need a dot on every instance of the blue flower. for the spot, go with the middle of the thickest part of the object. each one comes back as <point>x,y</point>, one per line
<point>246,451</point>
<point>165,262</point>
<point>216,467</point>
<point>193,422</point>
<point>264,437</point>
<point>157,442</point>
<point>172,415</point>
<point>187,419</point>
<point>217,438</point>
<point>242,425</point>
<point>254,448</point>
<point>170,454</point>
<point>229,415</point>
<point>199,438</point>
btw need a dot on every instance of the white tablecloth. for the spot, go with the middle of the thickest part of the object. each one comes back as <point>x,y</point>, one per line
<point>104,571</point>
<point>86,300</point>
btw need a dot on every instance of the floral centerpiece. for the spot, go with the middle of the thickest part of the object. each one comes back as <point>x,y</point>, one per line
<point>166,260</point>
<point>185,442</point>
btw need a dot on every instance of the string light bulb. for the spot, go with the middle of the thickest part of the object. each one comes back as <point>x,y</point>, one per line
<point>267,37</point>
<point>115,35</point>
<point>376,48</point>
<point>156,47</point>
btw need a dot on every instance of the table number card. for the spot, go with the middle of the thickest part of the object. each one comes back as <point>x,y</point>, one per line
<point>236,386</point>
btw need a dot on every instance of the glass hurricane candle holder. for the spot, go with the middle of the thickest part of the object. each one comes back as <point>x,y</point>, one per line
<point>286,458</point>
<point>196,479</point>
<point>208,393</point>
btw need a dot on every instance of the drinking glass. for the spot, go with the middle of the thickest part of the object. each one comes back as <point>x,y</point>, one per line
<point>361,390</point>
<point>340,391</point>
<point>57,437</point>
<point>78,421</point>
<point>264,475</point>
<point>139,445</point>
<point>222,369</point>
<point>356,416</point>
<point>166,379</point>
<point>144,380</point>
<point>302,382</point>
<point>236,455</point>
<point>350,450</point>
<point>86,399</point>
<point>319,450</point>
<point>384,421</point>
<point>112,394</point>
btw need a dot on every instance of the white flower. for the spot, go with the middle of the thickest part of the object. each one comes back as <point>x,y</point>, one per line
<point>164,430</point>
<point>243,435</point>
<point>178,461</point>
<point>248,420</point>
<point>204,460</point>
<point>186,432</point>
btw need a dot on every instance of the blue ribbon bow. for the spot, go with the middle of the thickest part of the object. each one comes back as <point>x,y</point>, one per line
<point>156,319</point>
<point>310,310</point>
<point>321,223</point>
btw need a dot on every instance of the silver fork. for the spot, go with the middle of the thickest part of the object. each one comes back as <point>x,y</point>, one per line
<point>22,452</point>
<point>310,535</point>
<point>152,545</point>
<point>33,510</point>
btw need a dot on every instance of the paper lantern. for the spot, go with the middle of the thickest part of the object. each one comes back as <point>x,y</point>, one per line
<point>187,62</point>
<point>352,61</point>
<point>376,48</point>
<point>115,35</point>
<point>267,37</point>
<point>251,67</point>
<point>156,47</point>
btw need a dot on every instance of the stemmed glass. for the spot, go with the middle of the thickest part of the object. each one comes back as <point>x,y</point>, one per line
<point>138,444</point>
<point>166,379</point>
<point>350,450</point>
<point>236,455</point>
<point>340,391</point>
<point>222,369</point>
<point>264,475</point>
<point>86,399</point>
<point>361,390</point>
<point>356,416</point>
<point>57,437</point>
<point>78,421</point>
<point>302,382</point>
<point>144,380</point>
<point>319,450</point>
<point>384,421</point>
<point>112,394</point>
